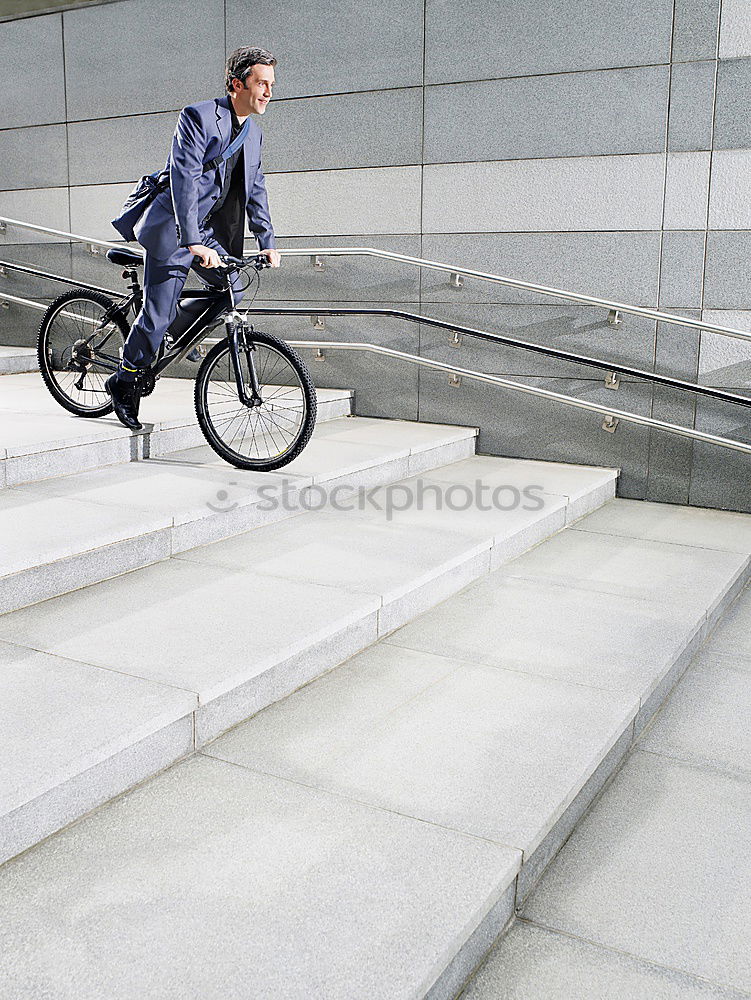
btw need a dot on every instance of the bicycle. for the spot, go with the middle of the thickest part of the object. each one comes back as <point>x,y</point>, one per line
<point>254,399</point>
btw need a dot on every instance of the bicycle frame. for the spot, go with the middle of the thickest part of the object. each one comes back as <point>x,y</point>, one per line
<point>218,301</point>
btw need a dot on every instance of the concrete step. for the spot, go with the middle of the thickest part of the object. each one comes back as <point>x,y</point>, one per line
<point>71,531</point>
<point>41,440</point>
<point>17,359</point>
<point>371,833</point>
<point>238,624</point>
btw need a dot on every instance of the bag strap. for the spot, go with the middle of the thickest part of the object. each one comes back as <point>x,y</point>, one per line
<point>231,149</point>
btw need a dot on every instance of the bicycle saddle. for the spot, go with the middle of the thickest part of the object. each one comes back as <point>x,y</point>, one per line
<point>127,258</point>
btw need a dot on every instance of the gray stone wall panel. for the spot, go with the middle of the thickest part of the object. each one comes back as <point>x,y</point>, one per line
<point>721,477</point>
<point>350,278</point>
<point>730,197</point>
<point>345,202</point>
<point>691,106</point>
<point>677,349</point>
<point>570,114</point>
<point>333,46</point>
<point>34,157</point>
<point>733,114</point>
<point>695,25</point>
<point>670,455</point>
<point>682,269</point>
<point>735,29</point>
<point>128,58</point>
<point>20,43</point>
<point>316,133</point>
<point>119,150</point>
<point>519,425</point>
<point>41,207</point>
<point>481,39</point>
<point>554,195</point>
<point>686,191</point>
<point>619,266</point>
<point>727,284</point>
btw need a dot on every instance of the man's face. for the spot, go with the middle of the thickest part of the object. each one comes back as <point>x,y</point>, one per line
<point>252,95</point>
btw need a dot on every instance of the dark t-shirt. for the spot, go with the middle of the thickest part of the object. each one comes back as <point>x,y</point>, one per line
<point>227,217</point>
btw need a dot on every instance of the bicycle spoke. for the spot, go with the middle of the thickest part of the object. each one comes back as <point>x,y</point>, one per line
<point>75,335</point>
<point>265,432</point>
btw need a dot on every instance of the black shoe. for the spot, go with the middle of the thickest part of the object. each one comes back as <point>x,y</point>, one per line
<point>194,355</point>
<point>125,401</point>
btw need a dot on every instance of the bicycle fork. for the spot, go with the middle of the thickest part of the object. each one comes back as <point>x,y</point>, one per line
<point>235,327</point>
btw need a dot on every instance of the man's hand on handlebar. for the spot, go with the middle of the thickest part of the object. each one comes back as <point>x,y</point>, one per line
<point>209,257</point>
<point>275,258</point>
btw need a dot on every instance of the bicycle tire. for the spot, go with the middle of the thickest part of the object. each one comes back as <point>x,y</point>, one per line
<point>44,349</point>
<point>214,437</point>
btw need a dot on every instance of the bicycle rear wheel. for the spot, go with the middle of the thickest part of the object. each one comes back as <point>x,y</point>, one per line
<point>79,345</point>
<point>261,437</point>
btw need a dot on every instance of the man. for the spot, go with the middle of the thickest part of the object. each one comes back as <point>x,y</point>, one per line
<point>201,214</point>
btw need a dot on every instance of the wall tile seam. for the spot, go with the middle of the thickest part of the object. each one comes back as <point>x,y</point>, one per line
<point>490,162</point>
<point>347,93</point>
<point>381,236</point>
<point>695,409</point>
<point>567,72</point>
<point>414,233</point>
<point>176,110</point>
<point>420,290</point>
<point>395,166</point>
<point>326,303</point>
<point>653,443</point>
<point>65,100</point>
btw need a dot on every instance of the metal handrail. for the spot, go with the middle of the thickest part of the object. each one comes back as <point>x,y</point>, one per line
<point>61,278</point>
<point>633,418</point>
<point>609,413</point>
<point>497,338</point>
<point>591,300</point>
<point>33,227</point>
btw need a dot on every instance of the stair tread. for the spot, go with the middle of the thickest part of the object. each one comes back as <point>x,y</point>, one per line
<point>16,359</point>
<point>131,499</point>
<point>402,789</point>
<point>314,575</point>
<point>62,716</point>
<point>362,552</point>
<point>715,529</point>
<point>277,875</point>
<point>508,659</point>
<point>28,412</point>
<point>492,752</point>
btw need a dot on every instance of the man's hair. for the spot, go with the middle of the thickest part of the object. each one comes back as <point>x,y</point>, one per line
<point>242,61</point>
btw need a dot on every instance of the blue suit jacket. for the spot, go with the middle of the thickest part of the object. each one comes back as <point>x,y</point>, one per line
<point>175,218</point>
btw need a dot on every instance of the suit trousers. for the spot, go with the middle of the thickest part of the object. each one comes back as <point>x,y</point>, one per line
<point>163,280</point>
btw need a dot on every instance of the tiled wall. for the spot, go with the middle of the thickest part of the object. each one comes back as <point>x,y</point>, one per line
<point>602,146</point>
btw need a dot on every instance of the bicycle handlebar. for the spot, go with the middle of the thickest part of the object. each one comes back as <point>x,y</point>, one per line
<point>257,262</point>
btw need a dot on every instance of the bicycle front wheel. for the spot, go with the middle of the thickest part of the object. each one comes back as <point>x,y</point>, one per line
<point>80,343</point>
<point>266,436</point>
